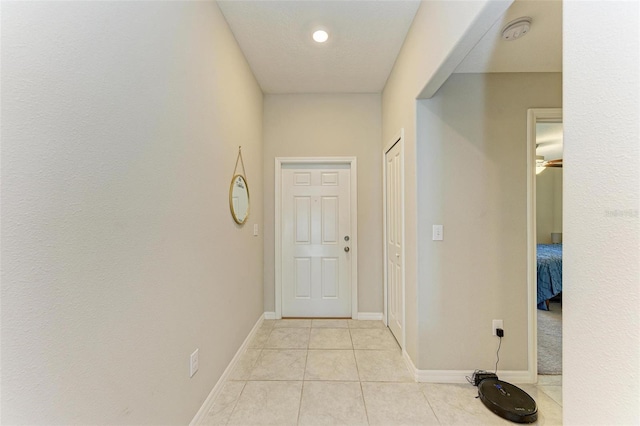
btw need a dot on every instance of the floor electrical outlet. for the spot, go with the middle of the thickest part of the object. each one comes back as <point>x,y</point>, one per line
<point>496,324</point>
<point>193,363</point>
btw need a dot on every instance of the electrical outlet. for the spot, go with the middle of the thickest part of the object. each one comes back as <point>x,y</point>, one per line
<point>193,363</point>
<point>496,324</point>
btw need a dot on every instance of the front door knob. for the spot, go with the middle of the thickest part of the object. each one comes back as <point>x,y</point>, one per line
<point>346,249</point>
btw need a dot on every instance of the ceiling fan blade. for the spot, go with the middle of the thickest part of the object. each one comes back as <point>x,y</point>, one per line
<point>553,163</point>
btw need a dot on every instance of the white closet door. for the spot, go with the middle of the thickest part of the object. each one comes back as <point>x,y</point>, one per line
<point>394,240</point>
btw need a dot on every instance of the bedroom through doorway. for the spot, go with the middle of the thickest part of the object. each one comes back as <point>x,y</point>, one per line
<point>548,240</point>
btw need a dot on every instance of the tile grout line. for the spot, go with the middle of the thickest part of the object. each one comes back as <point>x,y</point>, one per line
<point>548,394</point>
<point>235,404</point>
<point>244,385</point>
<point>353,351</point>
<point>364,402</point>
<point>429,404</point>
<point>304,373</point>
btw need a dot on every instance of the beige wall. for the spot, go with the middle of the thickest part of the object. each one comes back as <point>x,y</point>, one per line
<point>472,174</point>
<point>548,204</point>
<point>329,125</point>
<point>429,53</point>
<point>120,128</point>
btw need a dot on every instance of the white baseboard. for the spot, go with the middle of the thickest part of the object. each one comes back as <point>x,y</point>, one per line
<point>201,415</point>
<point>518,376</point>
<point>371,316</point>
<point>374,316</point>
<point>459,376</point>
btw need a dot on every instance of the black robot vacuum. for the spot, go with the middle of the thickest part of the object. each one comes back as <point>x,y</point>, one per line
<point>507,401</point>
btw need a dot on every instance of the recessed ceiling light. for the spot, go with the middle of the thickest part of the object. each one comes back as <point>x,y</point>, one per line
<point>320,36</point>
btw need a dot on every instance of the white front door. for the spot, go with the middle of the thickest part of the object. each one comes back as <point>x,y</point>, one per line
<point>316,241</point>
<point>394,239</point>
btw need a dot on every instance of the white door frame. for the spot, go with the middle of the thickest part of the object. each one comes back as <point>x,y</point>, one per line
<point>352,162</point>
<point>534,115</point>
<point>397,139</point>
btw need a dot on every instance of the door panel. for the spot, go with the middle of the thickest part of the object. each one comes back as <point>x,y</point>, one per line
<point>330,278</point>
<point>302,217</point>
<point>330,220</point>
<point>303,277</point>
<point>316,269</point>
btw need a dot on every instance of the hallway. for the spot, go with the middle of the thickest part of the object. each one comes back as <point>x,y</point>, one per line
<point>348,372</point>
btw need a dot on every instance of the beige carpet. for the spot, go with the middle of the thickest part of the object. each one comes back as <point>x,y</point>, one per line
<point>550,340</point>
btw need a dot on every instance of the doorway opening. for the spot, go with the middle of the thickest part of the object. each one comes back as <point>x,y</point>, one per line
<point>545,239</point>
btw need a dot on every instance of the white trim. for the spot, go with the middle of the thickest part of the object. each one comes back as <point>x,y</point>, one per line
<point>269,315</point>
<point>277,237</point>
<point>370,316</point>
<point>201,415</point>
<point>398,139</point>
<point>410,365</point>
<point>353,165</point>
<point>534,115</point>
<point>460,376</point>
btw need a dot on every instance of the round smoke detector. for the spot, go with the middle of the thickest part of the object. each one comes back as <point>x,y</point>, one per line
<point>516,28</point>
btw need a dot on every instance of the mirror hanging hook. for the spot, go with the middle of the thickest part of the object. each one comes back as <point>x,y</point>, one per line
<point>239,159</point>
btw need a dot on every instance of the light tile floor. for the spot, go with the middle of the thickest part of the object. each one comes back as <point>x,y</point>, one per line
<point>346,372</point>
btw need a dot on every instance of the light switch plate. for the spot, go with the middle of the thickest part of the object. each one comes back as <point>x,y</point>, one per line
<point>193,363</point>
<point>438,233</point>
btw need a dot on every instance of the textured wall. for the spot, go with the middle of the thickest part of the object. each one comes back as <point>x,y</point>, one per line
<point>472,153</point>
<point>330,125</point>
<point>120,128</point>
<point>601,277</point>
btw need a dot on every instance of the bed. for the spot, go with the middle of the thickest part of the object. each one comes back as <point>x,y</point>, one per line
<point>549,273</point>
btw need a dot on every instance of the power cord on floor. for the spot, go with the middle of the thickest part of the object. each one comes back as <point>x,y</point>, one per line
<point>498,355</point>
<point>480,375</point>
<point>469,379</point>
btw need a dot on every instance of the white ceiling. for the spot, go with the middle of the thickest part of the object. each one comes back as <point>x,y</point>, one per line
<point>539,51</point>
<point>364,40</point>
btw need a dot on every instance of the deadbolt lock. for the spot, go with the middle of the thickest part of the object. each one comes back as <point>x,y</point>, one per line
<point>346,238</point>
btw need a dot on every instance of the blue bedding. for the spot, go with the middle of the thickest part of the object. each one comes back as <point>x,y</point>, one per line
<point>549,272</point>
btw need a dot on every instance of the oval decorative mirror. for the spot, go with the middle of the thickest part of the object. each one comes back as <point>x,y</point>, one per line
<point>239,199</point>
<point>239,193</point>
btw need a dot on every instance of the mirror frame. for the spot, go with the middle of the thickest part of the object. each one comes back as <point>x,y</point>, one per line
<point>233,213</point>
